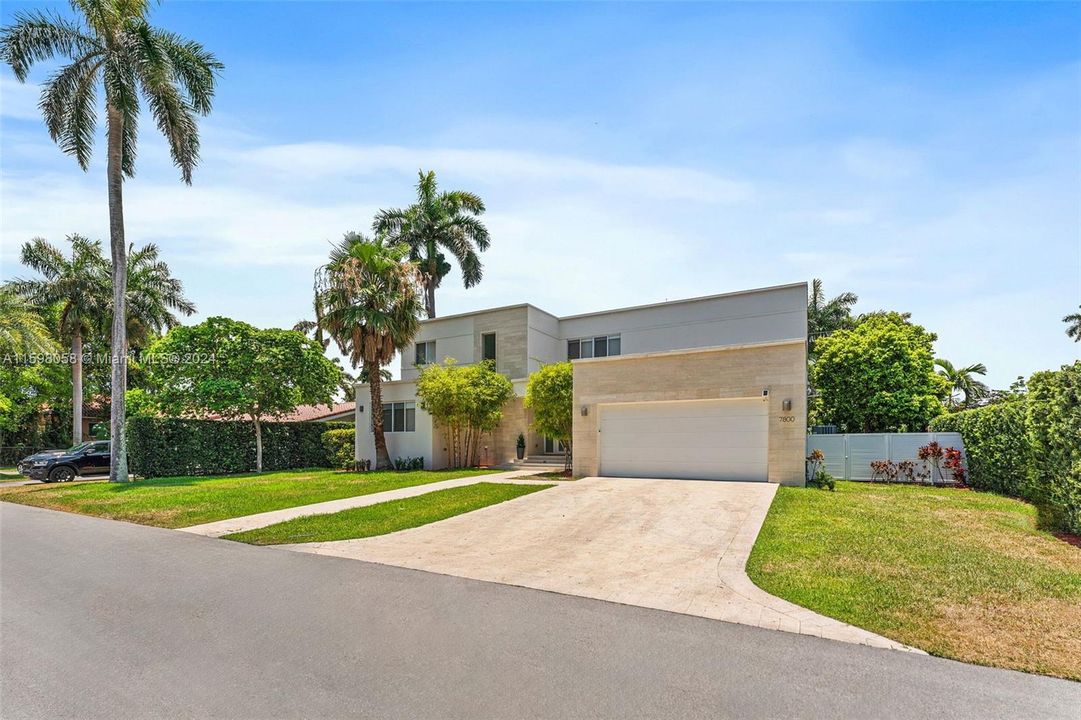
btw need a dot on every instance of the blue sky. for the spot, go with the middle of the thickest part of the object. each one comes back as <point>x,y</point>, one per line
<point>924,156</point>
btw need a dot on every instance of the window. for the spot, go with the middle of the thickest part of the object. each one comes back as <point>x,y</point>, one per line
<point>600,346</point>
<point>487,341</point>
<point>425,353</point>
<point>399,417</point>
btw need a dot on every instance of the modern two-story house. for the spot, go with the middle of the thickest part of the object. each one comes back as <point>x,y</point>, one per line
<point>706,388</point>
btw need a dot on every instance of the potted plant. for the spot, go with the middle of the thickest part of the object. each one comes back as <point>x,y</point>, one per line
<point>521,446</point>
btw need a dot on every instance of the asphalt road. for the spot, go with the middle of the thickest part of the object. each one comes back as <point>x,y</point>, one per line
<point>112,620</point>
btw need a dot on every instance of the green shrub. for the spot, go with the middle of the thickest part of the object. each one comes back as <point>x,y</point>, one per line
<point>340,447</point>
<point>163,447</point>
<point>995,445</point>
<point>409,463</point>
<point>1054,435</point>
<point>1029,446</point>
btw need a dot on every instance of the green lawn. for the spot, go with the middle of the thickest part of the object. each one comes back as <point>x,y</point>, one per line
<point>957,573</point>
<point>10,473</point>
<point>386,517</point>
<point>182,501</point>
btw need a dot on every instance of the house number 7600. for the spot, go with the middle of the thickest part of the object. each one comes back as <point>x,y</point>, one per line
<point>787,418</point>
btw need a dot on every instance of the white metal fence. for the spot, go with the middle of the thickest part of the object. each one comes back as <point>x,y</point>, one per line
<point>849,455</point>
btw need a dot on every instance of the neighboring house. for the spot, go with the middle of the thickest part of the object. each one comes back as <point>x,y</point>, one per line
<point>712,387</point>
<point>338,412</point>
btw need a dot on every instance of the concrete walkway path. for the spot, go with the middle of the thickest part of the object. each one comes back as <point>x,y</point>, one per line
<point>676,545</point>
<point>251,522</point>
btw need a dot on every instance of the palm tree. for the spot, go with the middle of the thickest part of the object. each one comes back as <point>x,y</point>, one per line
<point>112,45</point>
<point>1073,327</point>
<point>962,382</point>
<point>369,303</point>
<point>826,316</point>
<point>438,221</point>
<point>153,294</point>
<point>22,331</point>
<point>79,285</point>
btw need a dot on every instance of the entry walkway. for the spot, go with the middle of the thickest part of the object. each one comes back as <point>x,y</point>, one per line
<point>251,522</point>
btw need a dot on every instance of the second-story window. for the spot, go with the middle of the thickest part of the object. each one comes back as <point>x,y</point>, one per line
<point>598,346</point>
<point>425,353</point>
<point>487,341</point>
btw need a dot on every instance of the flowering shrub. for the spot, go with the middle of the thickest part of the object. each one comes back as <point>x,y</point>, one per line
<point>816,472</point>
<point>953,464</point>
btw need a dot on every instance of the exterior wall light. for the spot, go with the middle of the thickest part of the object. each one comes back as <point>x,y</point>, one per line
<point>585,410</point>
<point>786,405</point>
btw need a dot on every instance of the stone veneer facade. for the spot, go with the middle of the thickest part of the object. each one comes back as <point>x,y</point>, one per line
<point>734,372</point>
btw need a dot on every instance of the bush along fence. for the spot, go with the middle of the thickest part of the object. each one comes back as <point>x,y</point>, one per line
<point>165,447</point>
<point>1030,445</point>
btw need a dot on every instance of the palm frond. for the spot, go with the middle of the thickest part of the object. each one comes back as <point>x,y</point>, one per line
<point>38,36</point>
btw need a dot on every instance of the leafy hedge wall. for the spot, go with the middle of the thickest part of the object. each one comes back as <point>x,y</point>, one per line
<point>1030,446</point>
<point>164,447</point>
<point>996,445</point>
<point>1054,433</point>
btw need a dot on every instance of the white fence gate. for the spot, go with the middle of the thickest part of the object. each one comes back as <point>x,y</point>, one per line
<point>849,455</point>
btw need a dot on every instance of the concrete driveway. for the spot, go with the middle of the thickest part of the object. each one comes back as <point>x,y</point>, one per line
<point>676,545</point>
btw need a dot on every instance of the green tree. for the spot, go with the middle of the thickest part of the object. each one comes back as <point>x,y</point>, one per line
<point>368,302</point>
<point>1073,325</point>
<point>465,402</point>
<point>879,376</point>
<point>550,395</point>
<point>111,44</point>
<point>438,221</point>
<point>826,316</point>
<point>23,383</point>
<point>22,329</point>
<point>965,389</point>
<point>153,296</point>
<point>78,286</point>
<point>235,371</point>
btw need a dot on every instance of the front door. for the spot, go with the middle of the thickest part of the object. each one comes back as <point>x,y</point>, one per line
<point>552,447</point>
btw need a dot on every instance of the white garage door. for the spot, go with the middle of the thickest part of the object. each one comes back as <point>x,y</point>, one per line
<point>693,439</point>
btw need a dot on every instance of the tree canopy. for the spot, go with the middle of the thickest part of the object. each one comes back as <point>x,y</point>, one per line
<point>550,395</point>
<point>465,401</point>
<point>233,370</point>
<point>879,376</point>
<point>438,222</point>
<point>367,301</point>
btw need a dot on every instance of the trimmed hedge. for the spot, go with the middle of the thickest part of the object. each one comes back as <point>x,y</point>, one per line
<point>340,446</point>
<point>1030,446</point>
<point>995,444</point>
<point>1054,434</point>
<point>168,447</point>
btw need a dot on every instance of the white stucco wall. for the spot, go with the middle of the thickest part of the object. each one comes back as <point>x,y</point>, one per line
<point>757,316</point>
<point>404,444</point>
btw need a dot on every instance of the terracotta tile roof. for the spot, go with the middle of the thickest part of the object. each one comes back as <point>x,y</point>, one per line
<point>308,413</point>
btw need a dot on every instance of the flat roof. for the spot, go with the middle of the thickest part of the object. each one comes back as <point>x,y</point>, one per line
<point>700,298</point>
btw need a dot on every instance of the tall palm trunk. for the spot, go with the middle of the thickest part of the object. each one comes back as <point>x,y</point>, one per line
<point>375,384</point>
<point>429,296</point>
<point>429,280</point>
<point>119,460</point>
<point>77,387</point>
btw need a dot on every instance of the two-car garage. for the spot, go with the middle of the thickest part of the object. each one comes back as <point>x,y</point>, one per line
<point>690,439</point>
